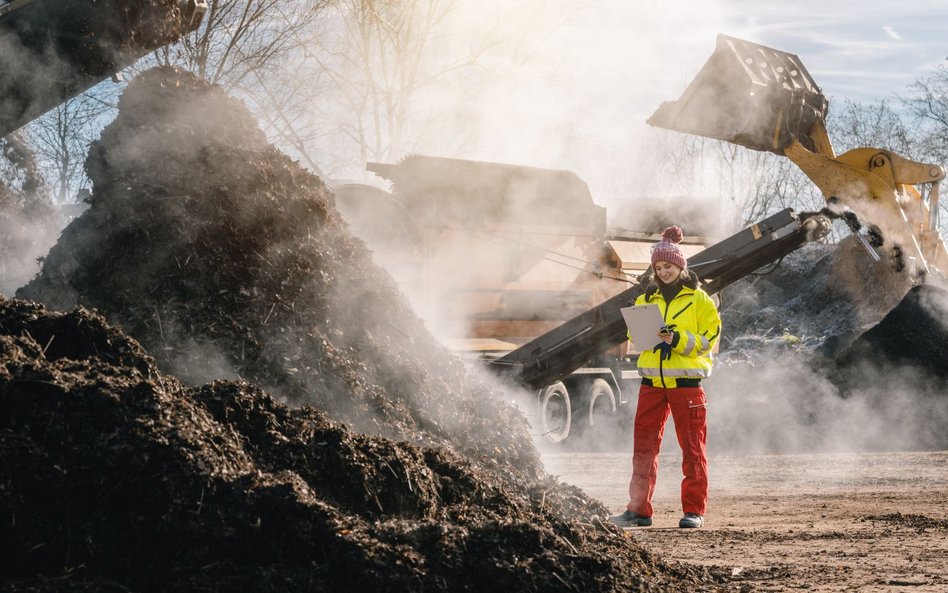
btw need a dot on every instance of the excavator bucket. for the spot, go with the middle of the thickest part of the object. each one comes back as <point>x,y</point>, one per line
<point>751,95</point>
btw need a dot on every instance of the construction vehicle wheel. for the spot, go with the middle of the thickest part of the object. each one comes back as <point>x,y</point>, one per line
<point>555,412</point>
<point>599,404</point>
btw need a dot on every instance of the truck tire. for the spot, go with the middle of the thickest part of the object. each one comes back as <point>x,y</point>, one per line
<point>555,413</point>
<point>599,404</point>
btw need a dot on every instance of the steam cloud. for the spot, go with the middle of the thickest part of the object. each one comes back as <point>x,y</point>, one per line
<point>779,405</point>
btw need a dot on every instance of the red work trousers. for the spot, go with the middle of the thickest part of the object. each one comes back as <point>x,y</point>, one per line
<point>688,408</point>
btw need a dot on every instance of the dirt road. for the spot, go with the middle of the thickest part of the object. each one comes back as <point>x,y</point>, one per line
<point>865,522</point>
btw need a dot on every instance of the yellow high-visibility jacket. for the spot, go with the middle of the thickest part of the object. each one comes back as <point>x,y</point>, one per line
<point>697,329</point>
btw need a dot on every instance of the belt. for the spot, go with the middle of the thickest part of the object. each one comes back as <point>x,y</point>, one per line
<point>679,382</point>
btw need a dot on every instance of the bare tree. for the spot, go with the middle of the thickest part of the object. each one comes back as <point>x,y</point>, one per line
<point>336,83</point>
<point>284,101</point>
<point>253,48</point>
<point>61,139</point>
<point>386,52</point>
<point>758,184</point>
<point>854,125</point>
<point>239,39</point>
<point>21,184</point>
<point>927,101</point>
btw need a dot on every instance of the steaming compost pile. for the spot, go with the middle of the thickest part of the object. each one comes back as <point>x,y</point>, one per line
<point>847,313</point>
<point>393,471</point>
<point>820,297</point>
<point>225,259</point>
<point>117,476</point>
<point>913,335</point>
<point>830,351</point>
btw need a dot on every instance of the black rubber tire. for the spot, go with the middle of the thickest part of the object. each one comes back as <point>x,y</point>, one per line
<point>555,413</point>
<point>599,404</point>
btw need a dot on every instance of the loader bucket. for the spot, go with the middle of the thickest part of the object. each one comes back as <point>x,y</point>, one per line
<point>751,95</point>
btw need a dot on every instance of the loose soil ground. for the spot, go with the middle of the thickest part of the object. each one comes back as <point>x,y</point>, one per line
<point>868,522</point>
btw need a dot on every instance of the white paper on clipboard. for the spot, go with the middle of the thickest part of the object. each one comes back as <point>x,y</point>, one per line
<point>643,322</point>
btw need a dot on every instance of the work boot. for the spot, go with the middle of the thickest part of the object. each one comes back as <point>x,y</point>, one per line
<point>630,519</point>
<point>690,521</point>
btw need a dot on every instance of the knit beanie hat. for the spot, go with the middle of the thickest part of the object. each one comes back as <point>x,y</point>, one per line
<point>667,249</point>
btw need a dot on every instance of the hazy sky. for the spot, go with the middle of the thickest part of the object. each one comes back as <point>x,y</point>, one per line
<point>860,50</point>
<point>573,81</point>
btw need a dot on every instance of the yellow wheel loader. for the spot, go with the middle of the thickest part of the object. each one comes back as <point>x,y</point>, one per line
<point>764,99</point>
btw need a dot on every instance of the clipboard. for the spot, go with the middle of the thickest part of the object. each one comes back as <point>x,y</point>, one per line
<point>643,322</point>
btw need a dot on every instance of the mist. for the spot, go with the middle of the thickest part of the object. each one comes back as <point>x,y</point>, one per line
<point>28,223</point>
<point>780,405</point>
<point>797,374</point>
<point>570,87</point>
<point>564,86</point>
<point>25,241</point>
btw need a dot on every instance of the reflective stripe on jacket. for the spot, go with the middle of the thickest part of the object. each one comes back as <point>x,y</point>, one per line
<point>697,328</point>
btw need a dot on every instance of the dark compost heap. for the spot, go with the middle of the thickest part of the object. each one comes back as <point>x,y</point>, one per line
<point>225,259</point>
<point>831,351</point>
<point>912,336</point>
<point>846,310</point>
<point>115,476</point>
<point>218,253</point>
<point>824,296</point>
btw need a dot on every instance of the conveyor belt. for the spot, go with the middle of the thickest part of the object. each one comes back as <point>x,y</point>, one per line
<point>554,355</point>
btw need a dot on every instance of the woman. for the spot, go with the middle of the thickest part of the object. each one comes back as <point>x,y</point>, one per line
<point>671,382</point>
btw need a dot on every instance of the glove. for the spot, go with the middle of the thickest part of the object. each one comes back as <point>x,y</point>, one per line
<point>666,350</point>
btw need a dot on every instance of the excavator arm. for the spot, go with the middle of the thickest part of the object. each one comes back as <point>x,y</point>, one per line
<point>764,99</point>
<point>881,187</point>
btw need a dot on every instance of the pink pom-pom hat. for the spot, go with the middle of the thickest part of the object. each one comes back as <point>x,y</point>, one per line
<point>667,249</point>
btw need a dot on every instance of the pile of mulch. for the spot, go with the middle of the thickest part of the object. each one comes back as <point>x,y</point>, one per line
<point>835,306</point>
<point>830,351</point>
<point>116,476</point>
<point>911,339</point>
<point>227,260</point>
<point>817,301</point>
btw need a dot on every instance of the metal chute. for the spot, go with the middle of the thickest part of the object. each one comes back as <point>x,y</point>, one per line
<point>51,50</point>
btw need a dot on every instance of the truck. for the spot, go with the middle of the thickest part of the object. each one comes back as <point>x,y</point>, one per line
<point>499,269</point>
<point>54,50</point>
